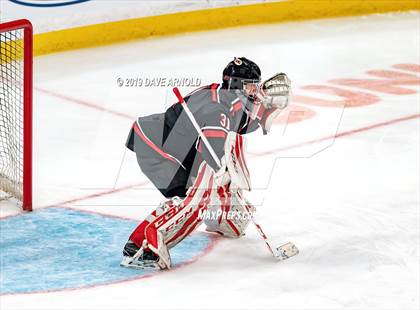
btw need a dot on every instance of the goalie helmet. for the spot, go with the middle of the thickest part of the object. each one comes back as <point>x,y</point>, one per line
<point>241,72</point>
<point>243,76</point>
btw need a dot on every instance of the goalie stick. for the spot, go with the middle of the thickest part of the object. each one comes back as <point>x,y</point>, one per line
<point>281,252</point>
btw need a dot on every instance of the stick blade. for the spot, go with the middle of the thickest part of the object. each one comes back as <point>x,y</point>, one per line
<point>286,251</point>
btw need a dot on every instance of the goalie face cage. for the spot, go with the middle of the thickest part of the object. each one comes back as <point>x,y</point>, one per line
<point>16,111</point>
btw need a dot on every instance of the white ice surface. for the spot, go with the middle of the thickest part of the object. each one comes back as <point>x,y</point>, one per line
<point>352,209</point>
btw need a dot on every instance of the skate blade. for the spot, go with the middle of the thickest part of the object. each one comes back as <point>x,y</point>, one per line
<point>286,251</point>
<point>128,262</point>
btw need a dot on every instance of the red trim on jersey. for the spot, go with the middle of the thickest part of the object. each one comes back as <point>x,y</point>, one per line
<point>200,147</point>
<point>140,133</point>
<point>213,92</point>
<point>237,106</point>
<point>214,133</point>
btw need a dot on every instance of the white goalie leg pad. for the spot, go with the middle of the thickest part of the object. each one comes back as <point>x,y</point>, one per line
<point>177,222</point>
<point>236,163</point>
<point>227,215</point>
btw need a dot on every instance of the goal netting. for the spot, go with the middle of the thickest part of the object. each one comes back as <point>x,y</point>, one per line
<point>16,111</point>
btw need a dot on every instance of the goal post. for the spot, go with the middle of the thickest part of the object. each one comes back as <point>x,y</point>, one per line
<point>16,74</point>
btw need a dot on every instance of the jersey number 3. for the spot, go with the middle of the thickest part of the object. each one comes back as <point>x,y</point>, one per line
<point>224,121</point>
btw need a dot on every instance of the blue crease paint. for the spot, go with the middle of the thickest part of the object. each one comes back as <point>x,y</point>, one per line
<point>58,248</point>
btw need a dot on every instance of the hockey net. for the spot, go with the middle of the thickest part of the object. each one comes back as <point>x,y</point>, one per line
<point>16,112</point>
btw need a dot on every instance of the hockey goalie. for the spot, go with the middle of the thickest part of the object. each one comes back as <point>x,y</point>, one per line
<point>197,160</point>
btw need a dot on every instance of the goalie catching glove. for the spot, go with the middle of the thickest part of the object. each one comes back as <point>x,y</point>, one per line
<point>272,97</point>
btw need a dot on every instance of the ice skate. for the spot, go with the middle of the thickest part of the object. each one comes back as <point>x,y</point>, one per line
<point>136,258</point>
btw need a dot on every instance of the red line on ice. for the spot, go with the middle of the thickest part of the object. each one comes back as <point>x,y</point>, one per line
<point>338,135</point>
<point>83,103</point>
<point>99,194</point>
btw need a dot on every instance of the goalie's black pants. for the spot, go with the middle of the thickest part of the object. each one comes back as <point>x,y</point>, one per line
<point>163,170</point>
